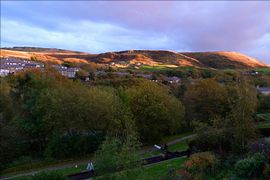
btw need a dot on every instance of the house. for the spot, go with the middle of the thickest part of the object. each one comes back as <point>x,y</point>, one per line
<point>252,73</point>
<point>4,72</point>
<point>65,71</point>
<point>264,90</point>
<point>112,63</point>
<point>120,74</point>
<point>146,76</point>
<point>12,65</point>
<point>100,73</point>
<point>172,80</point>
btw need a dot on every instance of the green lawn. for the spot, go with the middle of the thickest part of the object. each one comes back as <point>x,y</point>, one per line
<point>157,171</point>
<point>181,146</point>
<point>263,70</point>
<point>266,120</point>
<point>39,164</point>
<point>176,147</point>
<point>164,67</point>
<point>176,136</point>
<point>150,172</point>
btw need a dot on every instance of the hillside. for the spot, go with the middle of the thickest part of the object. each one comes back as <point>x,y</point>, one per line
<point>55,56</point>
<point>223,60</point>
<point>218,60</point>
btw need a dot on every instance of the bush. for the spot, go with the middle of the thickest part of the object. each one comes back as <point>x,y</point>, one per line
<point>117,155</point>
<point>266,171</point>
<point>201,165</point>
<point>251,166</point>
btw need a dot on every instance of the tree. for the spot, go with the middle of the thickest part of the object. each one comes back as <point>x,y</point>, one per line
<point>118,155</point>
<point>233,131</point>
<point>27,89</point>
<point>204,100</point>
<point>155,111</point>
<point>75,107</point>
<point>33,58</point>
<point>264,103</point>
<point>8,133</point>
<point>243,104</point>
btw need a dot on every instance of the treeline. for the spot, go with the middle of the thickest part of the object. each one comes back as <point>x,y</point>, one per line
<point>45,115</point>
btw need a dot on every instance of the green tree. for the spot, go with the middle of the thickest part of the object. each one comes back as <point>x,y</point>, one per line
<point>233,131</point>
<point>155,110</point>
<point>243,104</point>
<point>204,100</point>
<point>264,103</point>
<point>118,155</point>
<point>27,90</point>
<point>8,132</point>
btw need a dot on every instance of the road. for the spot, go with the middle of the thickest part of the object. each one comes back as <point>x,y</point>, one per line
<point>68,165</point>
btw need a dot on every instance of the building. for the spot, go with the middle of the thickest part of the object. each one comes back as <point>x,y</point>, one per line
<point>145,76</point>
<point>264,90</point>
<point>4,72</point>
<point>172,80</point>
<point>65,71</point>
<point>12,65</point>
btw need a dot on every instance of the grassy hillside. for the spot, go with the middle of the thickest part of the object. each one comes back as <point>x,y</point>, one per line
<point>218,60</point>
<point>225,60</point>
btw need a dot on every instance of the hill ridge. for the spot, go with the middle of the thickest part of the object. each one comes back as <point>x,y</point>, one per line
<point>209,59</point>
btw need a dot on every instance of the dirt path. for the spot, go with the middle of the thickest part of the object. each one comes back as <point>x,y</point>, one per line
<point>69,165</point>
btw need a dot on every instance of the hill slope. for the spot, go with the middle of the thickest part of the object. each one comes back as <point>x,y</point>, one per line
<point>222,60</point>
<point>218,60</point>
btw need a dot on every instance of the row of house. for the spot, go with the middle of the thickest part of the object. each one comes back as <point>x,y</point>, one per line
<point>164,79</point>
<point>13,65</point>
<point>65,71</point>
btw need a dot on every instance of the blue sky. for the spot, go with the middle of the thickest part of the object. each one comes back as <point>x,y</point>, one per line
<point>94,27</point>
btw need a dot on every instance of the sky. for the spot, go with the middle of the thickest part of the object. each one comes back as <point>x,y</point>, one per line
<point>101,26</point>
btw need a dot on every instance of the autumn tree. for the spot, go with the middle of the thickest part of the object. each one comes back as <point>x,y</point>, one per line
<point>243,104</point>
<point>233,131</point>
<point>155,110</point>
<point>118,155</point>
<point>204,100</point>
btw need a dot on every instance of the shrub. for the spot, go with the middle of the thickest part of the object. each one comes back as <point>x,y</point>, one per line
<point>200,165</point>
<point>118,155</point>
<point>251,166</point>
<point>266,171</point>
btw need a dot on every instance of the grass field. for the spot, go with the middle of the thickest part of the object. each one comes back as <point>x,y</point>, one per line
<point>266,120</point>
<point>159,170</point>
<point>151,172</point>
<point>263,70</point>
<point>155,171</point>
<point>164,67</point>
<point>176,147</point>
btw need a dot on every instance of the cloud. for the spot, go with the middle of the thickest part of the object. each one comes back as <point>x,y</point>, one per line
<point>82,35</point>
<point>104,26</point>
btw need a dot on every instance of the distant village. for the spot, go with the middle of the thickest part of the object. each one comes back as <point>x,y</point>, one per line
<point>12,65</point>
